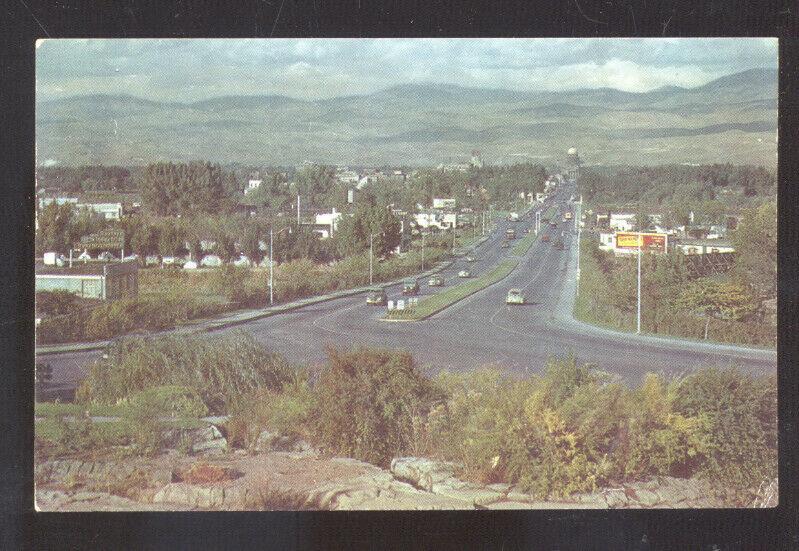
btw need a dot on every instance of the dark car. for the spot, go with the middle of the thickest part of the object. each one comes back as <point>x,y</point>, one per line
<point>376,296</point>
<point>559,244</point>
<point>545,238</point>
<point>410,287</point>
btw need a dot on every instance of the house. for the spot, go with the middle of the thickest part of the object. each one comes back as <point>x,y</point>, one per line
<point>621,221</point>
<point>326,223</point>
<point>704,246</point>
<point>100,281</point>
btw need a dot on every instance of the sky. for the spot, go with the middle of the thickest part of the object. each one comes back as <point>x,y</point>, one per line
<point>187,70</point>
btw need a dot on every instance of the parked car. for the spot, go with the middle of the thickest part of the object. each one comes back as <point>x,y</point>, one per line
<point>470,258</point>
<point>559,244</point>
<point>410,287</point>
<point>376,296</point>
<point>505,245</point>
<point>545,238</point>
<point>464,273</point>
<point>515,296</point>
<point>435,281</point>
<point>526,230</point>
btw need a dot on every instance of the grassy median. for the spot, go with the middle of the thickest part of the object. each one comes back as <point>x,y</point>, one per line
<point>523,245</point>
<point>439,301</point>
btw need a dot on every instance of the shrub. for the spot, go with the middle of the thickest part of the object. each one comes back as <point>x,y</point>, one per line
<point>741,427</point>
<point>171,400</point>
<point>219,369</point>
<point>285,412</point>
<point>365,403</point>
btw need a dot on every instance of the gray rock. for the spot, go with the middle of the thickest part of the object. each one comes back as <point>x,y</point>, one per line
<point>422,472</point>
<point>208,439</point>
<point>500,487</point>
<point>647,498</point>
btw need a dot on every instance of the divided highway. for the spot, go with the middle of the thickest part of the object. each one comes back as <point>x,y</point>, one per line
<point>482,329</point>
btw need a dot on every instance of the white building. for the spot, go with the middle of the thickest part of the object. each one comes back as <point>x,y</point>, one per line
<point>442,203</point>
<point>326,223</point>
<point>110,211</point>
<point>703,246</point>
<point>252,185</point>
<point>622,221</point>
<point>607,241</point>
<point>440,220</point>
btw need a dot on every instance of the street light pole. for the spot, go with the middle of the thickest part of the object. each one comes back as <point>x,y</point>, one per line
<point>638,327</point>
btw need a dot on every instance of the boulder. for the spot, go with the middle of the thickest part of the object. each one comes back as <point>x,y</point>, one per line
<point>422,472</point>
<point>207,440</point>
<point>273,442</point>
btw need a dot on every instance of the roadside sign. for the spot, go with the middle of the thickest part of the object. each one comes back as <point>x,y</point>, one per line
<point>650,242</point>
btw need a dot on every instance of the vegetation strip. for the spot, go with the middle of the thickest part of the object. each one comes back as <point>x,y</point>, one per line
<point>439,301</point>
<point>524,244</point>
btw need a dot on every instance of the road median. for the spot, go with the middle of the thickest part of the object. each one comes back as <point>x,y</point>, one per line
<point>438,302</point>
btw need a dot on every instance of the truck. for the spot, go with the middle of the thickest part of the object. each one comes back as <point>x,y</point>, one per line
<point>567,215</point>
<point>510,233</point>
<point>513,217</point>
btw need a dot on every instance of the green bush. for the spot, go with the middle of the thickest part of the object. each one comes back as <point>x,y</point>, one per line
<point>366,401</point>
<point>740,427</point>
<point>171,400</point>
<point>285,413</point>
<point>220,369</point>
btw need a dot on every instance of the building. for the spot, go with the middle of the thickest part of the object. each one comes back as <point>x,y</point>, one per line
<point>607,241</point>
<point>572,163</point>
<point>621,222</point>
<point>703,246</point>
<point>436,219</point>
<point>442,203</point>
<point>326,223</point>
<point>109,211</point>
<point>108,281</point>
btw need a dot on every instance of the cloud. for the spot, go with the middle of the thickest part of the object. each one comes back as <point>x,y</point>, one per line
<point>195,69</point>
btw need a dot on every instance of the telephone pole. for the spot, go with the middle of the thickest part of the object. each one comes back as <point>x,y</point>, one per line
<point>638,327</point>
<point>371,254</point>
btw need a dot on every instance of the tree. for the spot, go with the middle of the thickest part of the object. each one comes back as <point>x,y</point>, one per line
<point>755,241</point>
<point>54,222</point>
<point>723,300</point>
<point>171,239</point>
<point>146,239</point>
<point>189,189</point>
<point>250,242</point>
<point>369,219</point>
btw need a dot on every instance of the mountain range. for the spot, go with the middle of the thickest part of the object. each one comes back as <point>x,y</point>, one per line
<point>731,119</point>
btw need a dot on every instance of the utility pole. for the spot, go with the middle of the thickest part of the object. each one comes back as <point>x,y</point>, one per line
<point>638,328</point>
<point>453,235</point>
<point>577,215</point>
<point>371,254</point>
<point>271,268</point>
<point>298,209</point>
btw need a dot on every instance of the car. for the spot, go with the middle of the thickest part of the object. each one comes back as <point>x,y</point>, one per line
<point>515,296</point>
<point>545,238</point>
<point>410,287</point>
<point>527,230</point>
<point>376,296</point>
<point>464,273</point>
<point>470,258</point>
<point>559,244</point>
<point>435,281</point>
<point>505,245</point>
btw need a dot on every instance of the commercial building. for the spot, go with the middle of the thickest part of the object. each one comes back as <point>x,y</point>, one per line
<point>703,246</point>
<point>105,281</point>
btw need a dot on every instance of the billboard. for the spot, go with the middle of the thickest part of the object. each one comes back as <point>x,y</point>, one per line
<point>650,242</point>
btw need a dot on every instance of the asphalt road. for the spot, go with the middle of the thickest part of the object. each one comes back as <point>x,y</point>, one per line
<point>481,329</point>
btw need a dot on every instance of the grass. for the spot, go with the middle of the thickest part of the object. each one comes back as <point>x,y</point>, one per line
<point>439,301</point>
<point>58,409</point>
<point>523,245</point>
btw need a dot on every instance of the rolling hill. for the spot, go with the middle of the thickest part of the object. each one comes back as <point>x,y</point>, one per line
<point>731,119</point>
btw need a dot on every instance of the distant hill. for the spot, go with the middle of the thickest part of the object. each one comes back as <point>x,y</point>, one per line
<point>729,119</point>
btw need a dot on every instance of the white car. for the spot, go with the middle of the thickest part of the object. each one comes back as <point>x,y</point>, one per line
<point>464,273</point>
<point>515,296</point>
